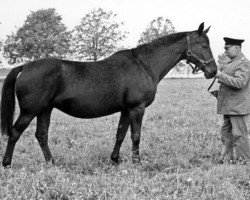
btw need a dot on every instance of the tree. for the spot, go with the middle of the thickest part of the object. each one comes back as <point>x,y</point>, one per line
<point>98,35</point>
<point>156,28</point>
<point>222,60</point>
<point>1,45</point>
<point>43,35</point>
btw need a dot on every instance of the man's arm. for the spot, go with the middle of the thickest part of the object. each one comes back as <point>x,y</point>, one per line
<point>238,80</point>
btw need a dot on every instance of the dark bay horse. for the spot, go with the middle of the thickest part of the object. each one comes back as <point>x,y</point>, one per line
<point>125,82</point>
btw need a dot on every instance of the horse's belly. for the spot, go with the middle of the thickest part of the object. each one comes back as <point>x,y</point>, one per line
<point>90,108</point>
<point>82,112</point>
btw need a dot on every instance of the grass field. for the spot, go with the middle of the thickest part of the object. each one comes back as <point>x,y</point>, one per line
<point>180,145</point>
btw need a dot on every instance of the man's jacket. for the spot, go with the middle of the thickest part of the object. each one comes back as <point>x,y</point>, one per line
<point>234,92</point>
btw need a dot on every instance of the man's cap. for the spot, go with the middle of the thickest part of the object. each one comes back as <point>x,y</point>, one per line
<point>232,41</point>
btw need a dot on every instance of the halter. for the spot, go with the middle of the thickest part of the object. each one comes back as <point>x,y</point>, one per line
<point>191,54</point>
<point>203,62</point>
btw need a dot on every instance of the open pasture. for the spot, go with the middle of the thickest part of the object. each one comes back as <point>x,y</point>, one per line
<point>180,144</point>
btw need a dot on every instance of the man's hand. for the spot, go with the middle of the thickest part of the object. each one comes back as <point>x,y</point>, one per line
<point>218,73</point>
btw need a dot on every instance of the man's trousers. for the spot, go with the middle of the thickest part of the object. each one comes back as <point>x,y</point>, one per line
<point>235,135</point>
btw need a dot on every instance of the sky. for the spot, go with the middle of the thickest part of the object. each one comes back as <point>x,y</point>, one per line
<point>227,18</point>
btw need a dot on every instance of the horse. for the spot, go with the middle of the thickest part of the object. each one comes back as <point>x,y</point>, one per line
<point>125,82</point>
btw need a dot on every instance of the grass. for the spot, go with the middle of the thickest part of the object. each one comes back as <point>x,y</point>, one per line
<point>179,148</point>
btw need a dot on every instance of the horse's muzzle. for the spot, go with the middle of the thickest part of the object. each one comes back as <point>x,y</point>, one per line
<point>210,74</point>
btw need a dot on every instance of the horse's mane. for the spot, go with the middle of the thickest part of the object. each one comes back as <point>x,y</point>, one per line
<point>165,40</point>
<point>148,47</point>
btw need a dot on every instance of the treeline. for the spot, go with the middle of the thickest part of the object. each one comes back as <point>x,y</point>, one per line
<point>98,35</point>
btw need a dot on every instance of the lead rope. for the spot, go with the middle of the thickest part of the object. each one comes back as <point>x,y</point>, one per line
<point>211,84</point>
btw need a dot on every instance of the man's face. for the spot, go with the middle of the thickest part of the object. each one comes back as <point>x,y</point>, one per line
<point>231,51</point>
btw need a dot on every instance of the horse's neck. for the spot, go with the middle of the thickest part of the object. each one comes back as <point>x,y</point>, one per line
<point>164,58</point>
<point>174,55</point>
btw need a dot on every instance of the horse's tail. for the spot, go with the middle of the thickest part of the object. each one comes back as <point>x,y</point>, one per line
<point>8,101</point>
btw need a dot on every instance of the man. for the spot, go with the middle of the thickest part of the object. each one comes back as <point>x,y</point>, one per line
<point>234,102</point>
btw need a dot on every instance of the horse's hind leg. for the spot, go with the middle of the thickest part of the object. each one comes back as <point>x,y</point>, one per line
<point>43,122</point>
<point>121,133</point>
<point>20,125</point>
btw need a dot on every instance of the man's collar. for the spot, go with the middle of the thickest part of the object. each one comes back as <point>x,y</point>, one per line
<point>238,57</point>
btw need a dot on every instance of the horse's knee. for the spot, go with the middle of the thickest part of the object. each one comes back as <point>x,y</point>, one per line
<point>135,138</point>
<point>41,137</point>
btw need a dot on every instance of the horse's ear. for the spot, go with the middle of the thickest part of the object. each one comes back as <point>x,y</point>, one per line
<point>207,30</point>
<point>201,28</point>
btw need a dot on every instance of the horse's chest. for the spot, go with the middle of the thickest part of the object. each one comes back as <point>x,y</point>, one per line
<point>139,95</point>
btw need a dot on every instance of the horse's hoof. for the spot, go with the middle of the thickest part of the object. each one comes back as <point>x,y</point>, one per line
<point>50,162</point>
<point>115,161</point>
<point>220,162</point>
<point>6,162</point>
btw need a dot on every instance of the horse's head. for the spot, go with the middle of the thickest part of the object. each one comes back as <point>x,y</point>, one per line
<point>199,52</point>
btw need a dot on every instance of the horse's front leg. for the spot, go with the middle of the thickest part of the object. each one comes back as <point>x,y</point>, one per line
<point>136,115</point>
<point>121,133</point>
